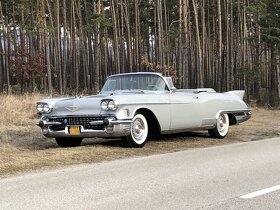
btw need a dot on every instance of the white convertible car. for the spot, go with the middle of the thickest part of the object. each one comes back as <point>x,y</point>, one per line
<point>134,106</point>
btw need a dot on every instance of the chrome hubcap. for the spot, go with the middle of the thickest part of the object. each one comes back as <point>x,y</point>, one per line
<point>222,122</point>
<point>138,130</point>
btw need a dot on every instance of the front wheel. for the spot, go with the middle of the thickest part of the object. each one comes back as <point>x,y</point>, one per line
<point>138,132</point>
<point>69,142</point>
<point>222,127</point>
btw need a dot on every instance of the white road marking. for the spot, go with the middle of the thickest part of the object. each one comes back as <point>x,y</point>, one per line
<point>261,192</point>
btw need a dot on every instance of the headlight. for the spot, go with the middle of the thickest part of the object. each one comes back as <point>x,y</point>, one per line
<point>47,108</point>
<point>104,105</point>
<point>44,108</point>
<point>40,107</point>
<point>112,105</point>
<point>108,105</point>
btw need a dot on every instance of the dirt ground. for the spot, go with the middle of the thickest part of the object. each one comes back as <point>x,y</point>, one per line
<point>23,148</point>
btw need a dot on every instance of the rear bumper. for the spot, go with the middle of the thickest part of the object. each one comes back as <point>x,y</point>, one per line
<point>242,116</point>
<point>112,128</point>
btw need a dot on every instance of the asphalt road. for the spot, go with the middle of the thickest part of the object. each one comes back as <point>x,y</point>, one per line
<point>212,178</point>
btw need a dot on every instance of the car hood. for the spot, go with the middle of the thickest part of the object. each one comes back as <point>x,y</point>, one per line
<point>86,105</point>
<point>83,105</point>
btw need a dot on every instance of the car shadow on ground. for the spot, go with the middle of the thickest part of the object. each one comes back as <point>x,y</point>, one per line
<point>185,136</point>
<point>34,141</point>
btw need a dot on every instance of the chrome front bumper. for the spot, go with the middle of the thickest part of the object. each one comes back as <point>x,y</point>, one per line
<point>113,128</point>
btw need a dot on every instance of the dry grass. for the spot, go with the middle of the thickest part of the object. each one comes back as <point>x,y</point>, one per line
<point>23,148</point>
<point>18,110</point>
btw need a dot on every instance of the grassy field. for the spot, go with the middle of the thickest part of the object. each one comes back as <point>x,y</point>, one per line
<point>23,148</point>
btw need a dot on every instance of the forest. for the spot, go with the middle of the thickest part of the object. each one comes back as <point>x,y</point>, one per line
<point>70,47</point>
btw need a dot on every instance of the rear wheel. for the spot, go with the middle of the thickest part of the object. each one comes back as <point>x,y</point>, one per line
<point>138,132</point>
<point>69,142</point>
<point>222,127</point>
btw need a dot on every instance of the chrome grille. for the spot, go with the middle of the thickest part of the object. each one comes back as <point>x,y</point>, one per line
<point>77,120</point>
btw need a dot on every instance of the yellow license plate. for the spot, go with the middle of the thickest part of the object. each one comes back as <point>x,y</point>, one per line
<point>74,130</point>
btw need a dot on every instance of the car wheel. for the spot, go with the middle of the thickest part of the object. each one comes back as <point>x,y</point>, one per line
<point>222,127</point>
<point>69,142</point>
<point>138,132</point>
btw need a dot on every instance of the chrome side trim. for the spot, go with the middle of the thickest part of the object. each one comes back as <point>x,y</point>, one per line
<point>187,129</point>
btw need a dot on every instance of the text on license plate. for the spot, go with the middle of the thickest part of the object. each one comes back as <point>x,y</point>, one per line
<point>74,130</point>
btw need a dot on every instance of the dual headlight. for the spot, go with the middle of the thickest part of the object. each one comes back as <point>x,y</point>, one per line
<point>108,105</point>
<point>44,108</point>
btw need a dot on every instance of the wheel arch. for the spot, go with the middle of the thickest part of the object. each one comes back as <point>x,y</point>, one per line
<point>232,119</point>
<point>231,116</point>
<point>153,124</point>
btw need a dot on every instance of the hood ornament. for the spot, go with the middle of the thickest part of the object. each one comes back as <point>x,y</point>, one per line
<point>72,108</point>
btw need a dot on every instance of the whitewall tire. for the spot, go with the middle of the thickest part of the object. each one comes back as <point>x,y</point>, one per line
<point>138,132</point>
<point>222,126</point>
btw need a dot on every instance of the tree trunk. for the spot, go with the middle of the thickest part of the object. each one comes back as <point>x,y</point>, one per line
<point>128,35</point>
<point>199,82</point>
<point>185,14</point>
<point>137,36</point>
<point>6,57</point>
<point>47,49</point>
<point>64,62</point>
<point>220,45</point>
<point>58,45</point>
<point>160,44</point>
<point>227,54</point>
<point>116,37</point>
<point>180,44</point>
<point>97,50</point>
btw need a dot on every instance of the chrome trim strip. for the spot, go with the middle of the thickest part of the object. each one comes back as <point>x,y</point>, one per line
<point>99,122</point>
<point>111,122</point>
<point>118,122</point>
<point>52,123</point>
<point>48,123</point>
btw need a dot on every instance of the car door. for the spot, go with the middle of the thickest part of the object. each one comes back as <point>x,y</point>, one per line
<point>185,110</point>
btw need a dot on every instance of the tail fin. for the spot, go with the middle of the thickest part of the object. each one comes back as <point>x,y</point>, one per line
<point>239,93</point>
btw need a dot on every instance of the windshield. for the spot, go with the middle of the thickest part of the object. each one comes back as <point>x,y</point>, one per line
<point>135,82</point>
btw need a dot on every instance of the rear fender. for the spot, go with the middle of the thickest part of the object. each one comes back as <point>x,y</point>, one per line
<point>239,93</point>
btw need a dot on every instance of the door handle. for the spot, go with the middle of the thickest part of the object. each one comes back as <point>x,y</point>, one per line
<point>195,97</point>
